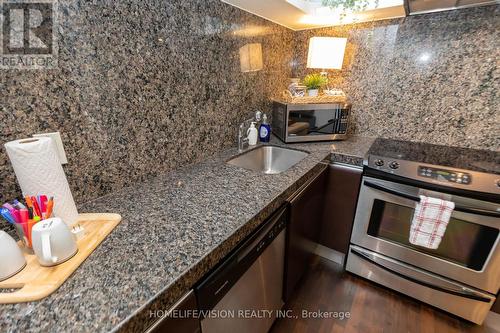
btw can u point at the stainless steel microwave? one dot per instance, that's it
(310, 122)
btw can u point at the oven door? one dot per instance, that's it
(468, 251)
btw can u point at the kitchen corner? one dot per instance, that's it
(248, 166)
(175, 228)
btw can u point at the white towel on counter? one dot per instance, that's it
(430, 221)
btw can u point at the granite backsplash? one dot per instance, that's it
(142, 87)
(432, 78)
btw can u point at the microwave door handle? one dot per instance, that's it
(458, 208)
(458, 292)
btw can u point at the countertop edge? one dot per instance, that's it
(141, 319)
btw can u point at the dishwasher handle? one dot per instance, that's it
(216, 284)
(260, 242)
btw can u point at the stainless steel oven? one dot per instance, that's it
(310, 122)
(461, 276)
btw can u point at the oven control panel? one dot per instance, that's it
(445, 175)
(436, 174)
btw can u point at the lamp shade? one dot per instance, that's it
(251, 57)
(326, 52)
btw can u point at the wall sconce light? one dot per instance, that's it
(251, 57)
(326, 52)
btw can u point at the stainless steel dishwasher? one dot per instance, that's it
(247, 284)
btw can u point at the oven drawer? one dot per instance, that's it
(463, 301)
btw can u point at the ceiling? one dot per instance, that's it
(304, 14)
(308, 14)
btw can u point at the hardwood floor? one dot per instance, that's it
(372, 308)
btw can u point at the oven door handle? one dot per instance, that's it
(458, 292)
(458, 208)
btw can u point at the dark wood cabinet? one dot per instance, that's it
(341, 196)
(184, 323)
(496, 306)
(305, 213)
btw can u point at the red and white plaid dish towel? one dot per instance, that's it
(430, 221)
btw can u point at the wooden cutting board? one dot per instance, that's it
(35, 282)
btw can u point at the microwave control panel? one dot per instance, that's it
(445, 175)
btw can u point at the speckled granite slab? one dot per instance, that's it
(470, 159)
(141, 88)
(428, 78)
(351, 151)
(175, 228)
(145, 87)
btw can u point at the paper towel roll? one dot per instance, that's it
(39, 171)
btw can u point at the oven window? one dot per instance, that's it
(465, 243)
(317, 122)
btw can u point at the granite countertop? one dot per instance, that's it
(175, 228)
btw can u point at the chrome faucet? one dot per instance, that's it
(242, 130)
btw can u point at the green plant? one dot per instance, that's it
(315, 81)
(348, 5)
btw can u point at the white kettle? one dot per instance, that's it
(53, 242)
(11, 257)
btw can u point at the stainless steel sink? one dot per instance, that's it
(268, 159)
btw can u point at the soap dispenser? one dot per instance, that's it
(252, 135)
(264, 130)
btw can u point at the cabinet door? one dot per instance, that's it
(496, 305)
(305, 213)
(341, 197)
(185, 324)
